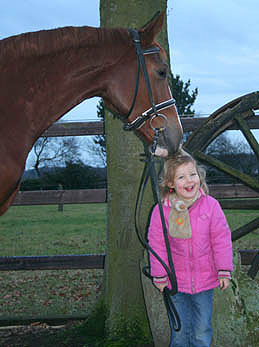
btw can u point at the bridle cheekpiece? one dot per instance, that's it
(152, 112)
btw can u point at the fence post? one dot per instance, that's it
(60, 205)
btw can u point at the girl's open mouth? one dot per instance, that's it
(189, 189)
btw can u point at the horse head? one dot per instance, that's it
(146, 104)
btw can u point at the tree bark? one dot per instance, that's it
(124, 299)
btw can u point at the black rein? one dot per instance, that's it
(150, 172)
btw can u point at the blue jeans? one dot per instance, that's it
(195, 312)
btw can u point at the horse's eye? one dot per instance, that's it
(162, 73)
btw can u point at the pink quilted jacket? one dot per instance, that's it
(198, 259)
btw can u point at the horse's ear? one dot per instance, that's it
(152, 28)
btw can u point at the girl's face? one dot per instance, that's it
(186, 181)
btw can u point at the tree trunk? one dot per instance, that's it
(124, 299)
(123, 295)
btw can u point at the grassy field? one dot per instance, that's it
(43, 230)
(79, 229)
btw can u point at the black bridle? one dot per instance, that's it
(152, 112)
(150, 172)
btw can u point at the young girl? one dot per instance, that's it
(200, 242)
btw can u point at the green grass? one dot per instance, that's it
(43, 230)
(238, 218)
(79, 229)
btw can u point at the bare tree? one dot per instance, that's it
(236, 153)
(52, 151)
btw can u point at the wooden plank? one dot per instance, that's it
(97, 128)
(53, 197)
(222, 120)
(81, 261)
(57, 262)
(247, 204)
(252, 272)
(247, 256)
(75, 129)
(224, 191)
(245, 229)
(246, 179)
(248, 134)
(81, 196)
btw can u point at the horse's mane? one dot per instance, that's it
(46, 42)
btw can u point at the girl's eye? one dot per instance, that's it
(180, 177)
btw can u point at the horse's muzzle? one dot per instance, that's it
(169, 141)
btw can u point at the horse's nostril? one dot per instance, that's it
(170, 139)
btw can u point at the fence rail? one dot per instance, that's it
(224, 192)
(97, 128)
(55, 262)
(81, 261)
(54, 197)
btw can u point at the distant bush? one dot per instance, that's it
(72, 176)
(31, 184)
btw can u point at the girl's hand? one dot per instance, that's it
(224, 283)
(161, 286)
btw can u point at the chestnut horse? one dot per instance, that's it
(45, 74)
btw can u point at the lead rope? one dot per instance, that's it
(150, 172)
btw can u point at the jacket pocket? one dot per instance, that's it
(206, 271)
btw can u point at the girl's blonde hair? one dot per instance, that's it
(170, 167)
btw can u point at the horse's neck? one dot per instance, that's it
(58, 76)
(75, 73)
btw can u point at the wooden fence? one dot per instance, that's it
(227, 194)
(97, 128)
(224, 193)
(81, 261)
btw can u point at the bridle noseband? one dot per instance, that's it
(152, 112)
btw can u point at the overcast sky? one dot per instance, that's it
(215, 44)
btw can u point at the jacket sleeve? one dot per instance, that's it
(221, 239)
(157, 243)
